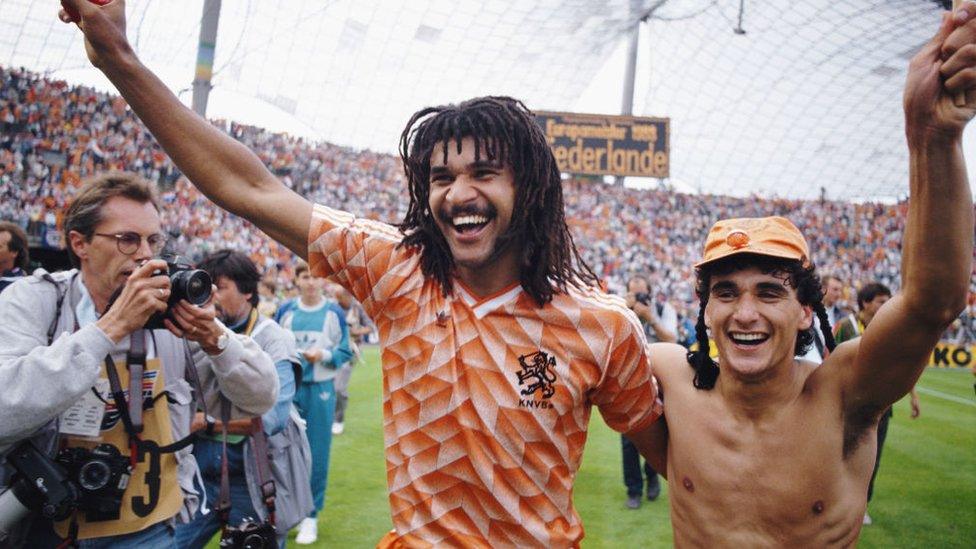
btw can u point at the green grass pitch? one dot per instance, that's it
(925, 494)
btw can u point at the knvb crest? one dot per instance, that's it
(538, 375)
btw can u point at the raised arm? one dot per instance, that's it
(222, 168)
(938, 241)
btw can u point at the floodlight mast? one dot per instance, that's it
(205, 56)
(630, 68)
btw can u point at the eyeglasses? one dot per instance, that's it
(129, 242)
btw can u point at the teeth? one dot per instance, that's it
(748, 337)
(470, 220)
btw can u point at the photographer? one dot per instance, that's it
(284, 442)
(68, 352)
(660, 322)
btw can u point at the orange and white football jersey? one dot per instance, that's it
(486, 400)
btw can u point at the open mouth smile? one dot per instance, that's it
(748, 339)
(467, 227)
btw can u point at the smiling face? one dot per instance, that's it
(472, 204)
(754, 319)
(104, 267)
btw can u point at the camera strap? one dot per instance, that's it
(130, 411)
(135, 360)
(265, 480)
(259, 441)
(223, 500)
(193, 377)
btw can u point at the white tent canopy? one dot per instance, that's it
(799, 98)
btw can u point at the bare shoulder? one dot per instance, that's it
(836, 368)
(669, 363)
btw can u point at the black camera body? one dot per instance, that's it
(250, 535)
(101, 476)
(185, 282)
(40, 483)
(644, 298)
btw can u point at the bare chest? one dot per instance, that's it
(780, 480)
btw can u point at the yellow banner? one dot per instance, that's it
(950, 355)
(945, 355)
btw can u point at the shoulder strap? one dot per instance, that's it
(62, 289)
(265, 479)
(223, 499)
(193, 377)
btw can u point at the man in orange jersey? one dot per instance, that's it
(495, 344)
(763, 449)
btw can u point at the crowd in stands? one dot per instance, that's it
(53, 134)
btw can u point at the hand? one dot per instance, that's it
(196, 323)
(643, 312)
(943, 68)
(142, 296)
(916, 409)
(103, 26)
(312, 354)
(199, 422)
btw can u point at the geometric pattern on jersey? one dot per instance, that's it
(486, 401)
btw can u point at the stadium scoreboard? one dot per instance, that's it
(596, 144)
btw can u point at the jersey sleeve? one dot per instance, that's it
(361, 255)
(627, 396)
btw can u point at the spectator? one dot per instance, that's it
(14, 255)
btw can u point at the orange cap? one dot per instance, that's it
(772, 236)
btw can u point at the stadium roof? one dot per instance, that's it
(779, 98)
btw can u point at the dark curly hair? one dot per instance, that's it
(235, 266)
(504, 130)
(808, 291)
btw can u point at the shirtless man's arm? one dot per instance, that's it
(226, 171)
(884, 364)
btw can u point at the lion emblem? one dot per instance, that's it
(538, 372)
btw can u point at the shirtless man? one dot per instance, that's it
(762, 449)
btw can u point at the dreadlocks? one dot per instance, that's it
(503, 131)
(808, 291)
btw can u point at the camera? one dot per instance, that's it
(101, 475)
(643, 297)
(185, 282)
(250, 535)
(39, 484)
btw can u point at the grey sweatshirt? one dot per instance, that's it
(40, 381)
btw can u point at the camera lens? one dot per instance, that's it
(192, 285)
(255, 541)
(94, 475)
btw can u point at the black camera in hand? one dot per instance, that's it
(643, 297)
(101, 475)
(250, 535)
(185, 283)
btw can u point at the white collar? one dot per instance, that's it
(85, 309)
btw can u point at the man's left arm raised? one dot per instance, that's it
(938, 241)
